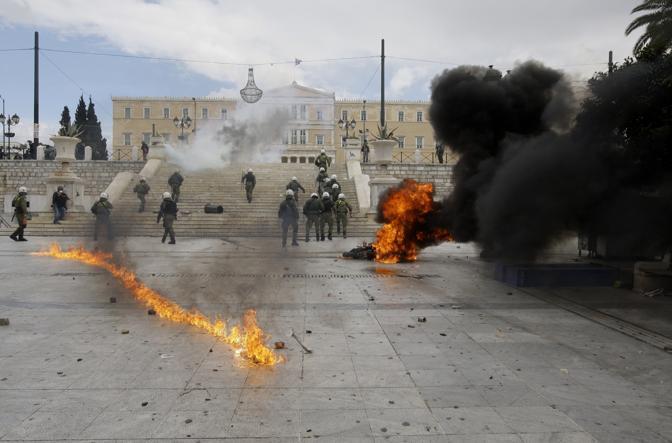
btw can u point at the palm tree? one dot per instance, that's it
(658, 23)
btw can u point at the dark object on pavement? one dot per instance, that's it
(4, 322)
(279, 345)
(213, 209)
(422, 319)
(364, 252)
(113, 299)
(125, 331)
(151, 312)
(293, 335)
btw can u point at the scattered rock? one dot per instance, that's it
(210, 350)
(411, 326)
(442, 334)
(187, 421)
(455, 307)
(308, 331)
(405, 423)
(4, 322)
(113, 299)
(125, 331)
(383, 429)
(279, 345)
(151, 312)
(79, 359)
(422, 319)
(144, 403)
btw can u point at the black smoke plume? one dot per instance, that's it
(532, 171)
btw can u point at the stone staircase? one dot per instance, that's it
(219, 187)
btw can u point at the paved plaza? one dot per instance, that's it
(432, 351)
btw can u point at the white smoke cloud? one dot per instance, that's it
(254, 135)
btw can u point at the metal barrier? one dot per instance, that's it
(423, 157)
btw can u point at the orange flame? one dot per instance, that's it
(247, 341)
(405, 210)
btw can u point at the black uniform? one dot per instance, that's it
(175, 181)
(289, 214)
(250, 182)
(327, 217)
(294, 185)
(440, 149)
(168, 211)
(365, 152)
(59, 201)
(312, 209)
(102, 209)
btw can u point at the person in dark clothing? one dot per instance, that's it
(20, 204)
(312, 209)
(145, 150)
(289, 214)
(294, 185)
(102, 209)
(319, 180)
(440, 149)
(343, 212)
(365, 152)
(323, 160)
(327, 217)
(250, 181)
(167, 211)
(59, 201)
(175, 181)
(141, 190)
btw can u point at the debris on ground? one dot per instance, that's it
(364, 252)
(4, 322)
(144, 403)
(455, 307)
(125, 331)
(422, 319)
(293, 335)
(151, 312)
(279, 345)
(655, 292)
(113, 299)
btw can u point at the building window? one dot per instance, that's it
(419, 116)
(400, 116)
(319, 140)
(224, 114)
(344, 115)
(320, 117)
(294, 136)
(419, 141)
(204, 113)
(401, 140)
(127, 113)
(304, 111)
(302, 137)
(283, 159)
(145, 113)
(166, 137)
(302, 159)
(295, 112)
(362, 116)
(185, 112)
(127, 139)
(166, 112)
(145, 137)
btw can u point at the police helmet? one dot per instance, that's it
(323, 151)
(322, 169)
(167, 195)
(314, 195)
(104, 195)
(289, 193)
(333, 176)
(334, 186)
(325, 194)
(341, 195)
(23, 190)
(294, 179)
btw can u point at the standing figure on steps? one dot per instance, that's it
(59, 202)
(102, 209)
(250, 181)
(343, 211)
(289, 214)
(294, 185)
(168, 211)
(313, 209)
(323, 160)
(175, 181)
(335, 191)
(320, 179)
(141, 190)
(20, 204)
(327, 217)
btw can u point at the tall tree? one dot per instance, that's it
(94, 135)
(65, 120)
(657, 21)
(80, 121)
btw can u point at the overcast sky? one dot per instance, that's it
(573, 35)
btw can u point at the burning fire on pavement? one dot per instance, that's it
(248, 340)
(405, 211)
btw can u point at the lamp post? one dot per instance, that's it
(184, 122)
(9, 121)
(364, 132)
(3, 123)
(347, 125)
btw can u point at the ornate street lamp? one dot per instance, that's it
(184, 122)
(9, 121)
(251, 93)
(347, 125)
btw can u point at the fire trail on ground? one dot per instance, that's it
(247, 340)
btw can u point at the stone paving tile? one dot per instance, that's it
(51, 425)
(334, 423)
(265, 423)
(330, 399)
(413, 422)
(536, 419)
(392, 398)
(471, 420)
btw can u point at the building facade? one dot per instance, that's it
(313, 122)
